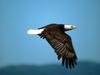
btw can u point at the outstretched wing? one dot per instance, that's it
(63, 47)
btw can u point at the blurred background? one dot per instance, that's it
(18, 48)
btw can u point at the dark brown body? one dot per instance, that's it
(61, 42)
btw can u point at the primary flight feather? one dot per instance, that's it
(59, 41)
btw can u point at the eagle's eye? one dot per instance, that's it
(72, 27)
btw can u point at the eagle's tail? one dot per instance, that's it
(32, 31)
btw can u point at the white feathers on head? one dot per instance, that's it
(70, 27)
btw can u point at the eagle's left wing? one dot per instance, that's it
(63, 47)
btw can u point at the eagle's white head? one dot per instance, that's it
(69, 27)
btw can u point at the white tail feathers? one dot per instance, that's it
(32, 31)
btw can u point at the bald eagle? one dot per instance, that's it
(59, 41)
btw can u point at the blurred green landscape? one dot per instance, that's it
(83, 68)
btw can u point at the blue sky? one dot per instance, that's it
(17, 16)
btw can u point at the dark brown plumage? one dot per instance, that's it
(61, 42)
